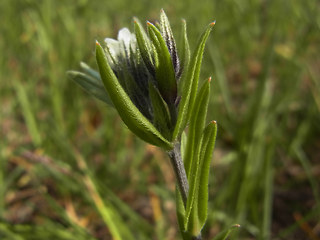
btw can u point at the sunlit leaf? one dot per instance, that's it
(185, 51)
(129, 113)
(145, 47)
(208, 142)
(190, 84)
(165, 74)
(167, 35)
(192, 155)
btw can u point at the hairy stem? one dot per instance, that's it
(178, 167)
(181, 176)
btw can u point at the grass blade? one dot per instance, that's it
(28, 113)
(224, 234)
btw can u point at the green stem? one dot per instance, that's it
(181, 176)
(180, 172)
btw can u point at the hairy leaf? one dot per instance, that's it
(192, 154)
(208, 142)
(92, 85)
(185, 51)
(129, 113)
(190, 84)
(145, 47)
(165, 74)
(161, 115)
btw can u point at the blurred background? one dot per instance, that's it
(70, 169)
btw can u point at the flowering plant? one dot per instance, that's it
(154, 88)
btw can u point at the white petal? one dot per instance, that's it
(110, 41)
(124, 35)
(113, 46)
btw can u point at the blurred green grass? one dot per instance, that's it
(69, 169)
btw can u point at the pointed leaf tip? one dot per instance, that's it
(97, 43)
(209, 79)
(190, 84)
(213, 23)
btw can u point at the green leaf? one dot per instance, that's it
(192, 155)
(161, 115)
(167, 34)
(197, 68)
(135, 93)
(145, 47)
(185, 51)
(91, 72)
(166, 31)
(225, 233)
(190, 84)
(197, 124)
(129, 113)
(208, 142)
(165, 74)
(183, 144)
(180, 210)
(92, 85)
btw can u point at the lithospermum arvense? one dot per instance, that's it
(142, 75)
(154, 88)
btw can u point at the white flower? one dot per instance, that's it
(122, 47)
